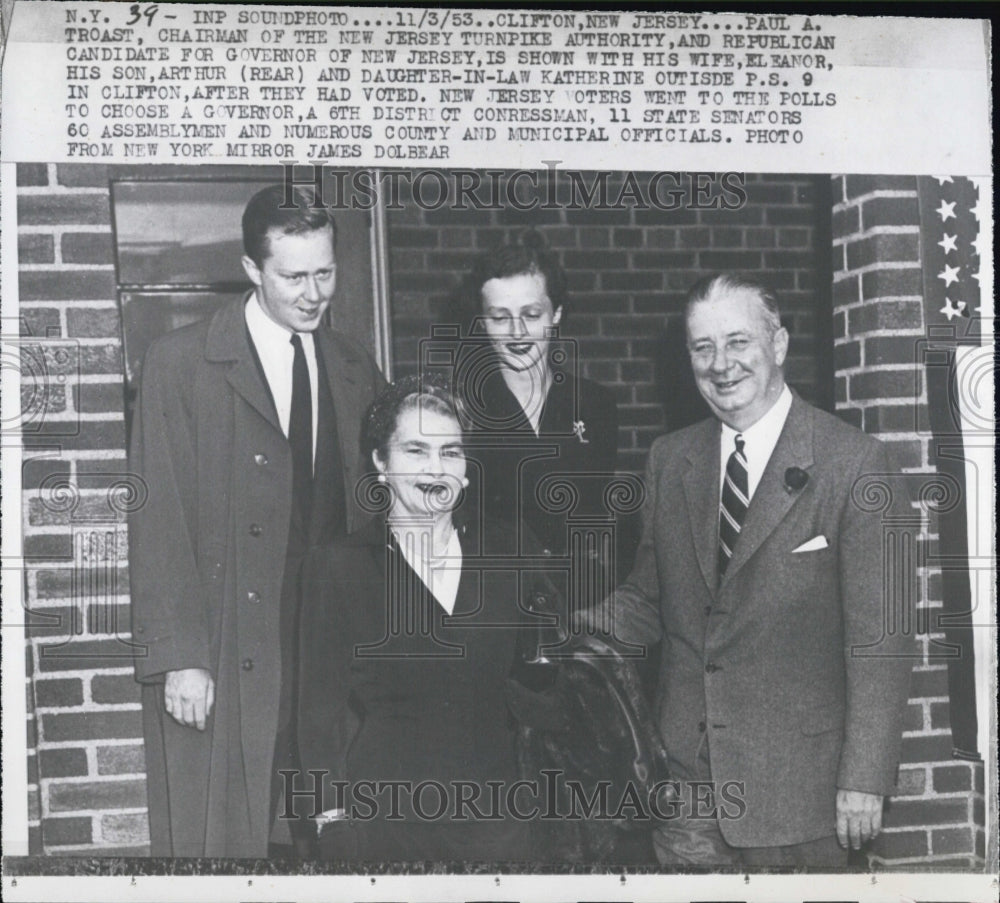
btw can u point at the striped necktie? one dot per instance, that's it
(735, 501)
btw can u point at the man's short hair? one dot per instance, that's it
(720, 283)
(267, 210)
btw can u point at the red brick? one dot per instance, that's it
(66, 831)
(891, 282)
(793, 238)
(892, 211)
(913, 718)
(847, 355)
(895, 350)
(952, 840)
(846, 221)
(403, 237)
(97, 795)
(63, 209)
(900, 844)
(642, 281)
(47, 547)
(67, 285)
(911, 782)
(897, 418)
(627, 238)
(885, 384)
(40, 322)
(114, 688)
(82, 175)
(87, 434)
(663, 259)
(125, 725)
(67, 692)
(929, 683)
(858, 185)
(98, 398)
(62, 763)
(749, 214)
(885, 315)
(686, 238)
(906, 812)
(792, 216)
(883, 248)
(32, 174)
(846, 291)
(853, 416)
(82, 653)
(933, 748)
(762, 237)
(35, 248)
(126, 759)
(951, 778)
(87, 247)
(940, 716)
(907, 453)
(126, 828)
(727, 261)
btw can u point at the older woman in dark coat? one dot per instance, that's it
(409, 634)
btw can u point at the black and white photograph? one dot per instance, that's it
(389, 518)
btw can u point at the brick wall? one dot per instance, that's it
(879, 328)
(628, 271)
(86, 768)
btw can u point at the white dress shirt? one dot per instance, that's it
(440, 576)
(274, 348)
(760, 440)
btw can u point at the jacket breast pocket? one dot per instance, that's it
(821, 720)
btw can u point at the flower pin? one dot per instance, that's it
(795, 479)
(579, 427)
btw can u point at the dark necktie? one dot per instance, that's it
(300, 430)
(735, 501)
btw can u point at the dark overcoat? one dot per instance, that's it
(796, 664)
(207, 554)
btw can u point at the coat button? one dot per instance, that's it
(701, 727)
(708, 610)
(247, 664)
(711, 668)
(253, 597)
(547, 553)
(260, 460)
(256, 529)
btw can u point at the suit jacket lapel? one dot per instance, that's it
(342, 375)
(228, 340)
(772, 501)
(701, 492)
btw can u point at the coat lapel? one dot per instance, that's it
(772, 501)
(228, 341)
(701, 492)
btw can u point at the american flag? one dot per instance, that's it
(952, 211)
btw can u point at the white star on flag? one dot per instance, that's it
(942, 179)
(950, 310)
(976, 276)
(979, 245)
(946, 210)
(979, 211)
(948, 243)
(949, 275)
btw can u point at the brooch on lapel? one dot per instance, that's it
(795, 479)
(579, 427)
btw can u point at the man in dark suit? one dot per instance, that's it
(247, 436)
(762, 576)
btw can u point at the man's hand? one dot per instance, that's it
(189, 695)
(859, 817)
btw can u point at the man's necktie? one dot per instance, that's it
(735, 501)
(300, 430)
